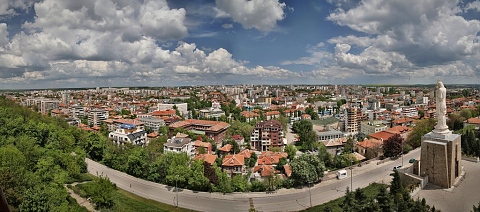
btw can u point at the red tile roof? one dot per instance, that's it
(370, 143)
(207, 158)
(265, 170)
(233, 160)
(246, 153)
(288, 170)
(382, 135)
(226, 148)
(473, 121)
(212, 125)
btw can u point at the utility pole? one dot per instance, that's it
(176, 189)
(351, 172)
(402, 152)
(308, 179)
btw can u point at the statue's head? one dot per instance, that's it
(439, 84)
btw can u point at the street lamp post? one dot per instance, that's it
(308, 185)
(176, 190)
(402, 152)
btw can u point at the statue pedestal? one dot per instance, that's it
(440, 157)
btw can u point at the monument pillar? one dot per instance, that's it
(441, 155)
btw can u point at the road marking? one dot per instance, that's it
(252, 207)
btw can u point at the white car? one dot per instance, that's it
(397, 167)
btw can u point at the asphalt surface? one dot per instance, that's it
(282, 200)
(460, 198)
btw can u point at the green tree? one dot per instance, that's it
(396, 186)
(239, 183)
(95, 146)
(349, 204)
(393, 146)
(101, 192)
(253, 159)
(291, 150)
(136, 162)
(197, 180)
(384, 200)
(349, 146)
(421, 128)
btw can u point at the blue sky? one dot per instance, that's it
(90, 43)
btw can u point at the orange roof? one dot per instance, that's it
(270, 158)
(212, 125)
(248, 114)
(168, 112)
(385, 135)
(288, 170)
(233, 160)
(265, 170)
(246, 153)
(210, 159)
(473, 121)
(272, 113)
(152, 135)
(128, 121)
(201, 143)
(370, 143)
(398, 129)
(226, 148)
(402, 120)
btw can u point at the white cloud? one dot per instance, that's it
(8, 7)
(3, 35)
(427, 34)
(475, 5)
(259, 14)
(227, 26)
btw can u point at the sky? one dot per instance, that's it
(116, 43)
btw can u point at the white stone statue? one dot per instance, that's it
(441, 109)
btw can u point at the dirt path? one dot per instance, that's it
(80, 200)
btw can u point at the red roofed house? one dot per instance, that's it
(210, 159)
(264, 171)
(272, 114)
(239, 139)
(212, 129)
(370, 148)
(233, 165)
(472, 121)
(225, 149)
(206, 145)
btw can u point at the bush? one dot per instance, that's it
(257, 186)
(288, 183)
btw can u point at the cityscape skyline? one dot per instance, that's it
(71, 44)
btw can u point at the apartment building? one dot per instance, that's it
(409, 112)
(267, 134)
(48, 105)
(369, 127)
(212, 129)
(96, 116)
(77, 111)
(152, 123)
(129, 134)
(351, 123)
(181, 107)
(179, 145)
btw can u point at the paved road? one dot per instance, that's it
(282, 200)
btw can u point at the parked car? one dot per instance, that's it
(412, 160)
(397, 167)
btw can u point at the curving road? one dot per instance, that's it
(282, 200)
